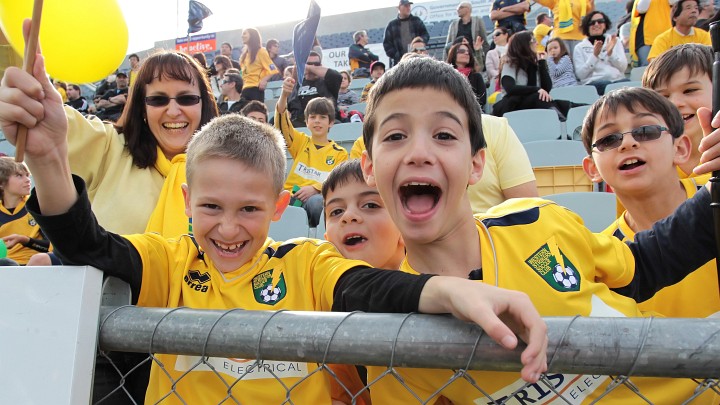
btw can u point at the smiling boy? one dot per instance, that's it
(424, 147)
(683, 75)
(313, 156)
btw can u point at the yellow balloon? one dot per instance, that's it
(82, 40)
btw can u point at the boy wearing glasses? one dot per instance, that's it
(635, 140)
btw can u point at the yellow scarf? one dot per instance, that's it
(565, 21)
(168, 218)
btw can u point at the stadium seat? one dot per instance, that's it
(558, 166)
(620, 85)
(292, 224)
(555, 153)
(637, 72)
(270, 104)
(276, 84)
(597, 210)
(534, 124)
(357, 107)
(575, 118)
(345, 134)
(581, 94)
(319, 232)
(269, 94)
(6, 149)
(359, 84)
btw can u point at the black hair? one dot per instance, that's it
(632, 99)
(418, 73)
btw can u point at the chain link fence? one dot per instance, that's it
(263, 357)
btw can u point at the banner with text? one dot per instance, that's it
(444, 10)
(337, 58)
(198, 43)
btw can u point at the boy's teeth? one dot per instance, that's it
(414, 183)
(630, 161)
(228, 247)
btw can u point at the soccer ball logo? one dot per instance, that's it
(270, 293)
(565, 278)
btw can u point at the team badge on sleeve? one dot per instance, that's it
(330, 160)
(267, 292)
(550, 264)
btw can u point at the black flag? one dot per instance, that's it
(196, 14)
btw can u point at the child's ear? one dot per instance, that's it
(331, 121)
(186, 197)
(282, 203)
(591, 169)
(683, 149)
(367, 169)
(478, 164)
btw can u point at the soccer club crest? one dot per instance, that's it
(555, 269)
(330, 160)
(31, 221)
(265, 291)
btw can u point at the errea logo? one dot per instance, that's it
(195, 280)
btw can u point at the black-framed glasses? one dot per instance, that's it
(185, 100)
(641, 134)
(596, 22)
(497, 34)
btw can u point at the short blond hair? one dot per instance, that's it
(239, 138)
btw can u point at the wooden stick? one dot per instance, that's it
(31, 47)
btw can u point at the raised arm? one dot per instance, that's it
(32, 101)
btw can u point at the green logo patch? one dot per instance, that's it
(558, 272)
(267, 293)
(330, 160)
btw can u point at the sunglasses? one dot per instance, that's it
(497, 34)
(462, 51)
(596, 22)
(642, 134)
(313, 63)
(185, 100)
(418, 50)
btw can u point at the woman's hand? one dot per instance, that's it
(544, 95)
(597, 48)
(611, 45)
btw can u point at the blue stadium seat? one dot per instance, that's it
(597, 210)
(292, 224)
(534, 124)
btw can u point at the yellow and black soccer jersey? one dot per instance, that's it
(20, 222)
(679, 300)
(542, 249)
(311, 164)
(301, 274)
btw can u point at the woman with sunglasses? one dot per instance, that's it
(257, 67)
(133, 170)
(462, 59)
(501, 37)
(125, 165)
(599, 59)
